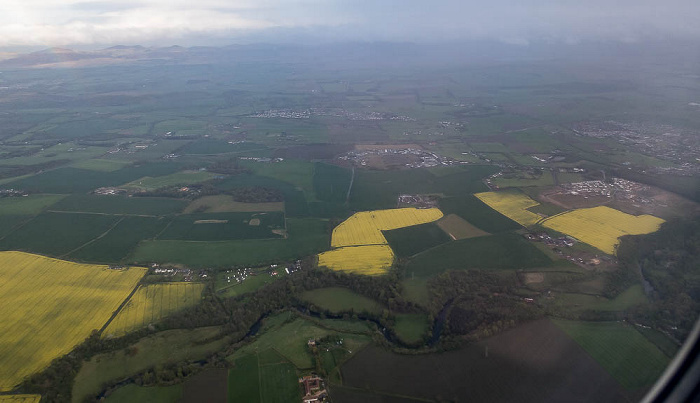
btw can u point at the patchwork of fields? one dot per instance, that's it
(513, 205)
(49, 306)
(151, 303)
(362, 248)
(602, 226)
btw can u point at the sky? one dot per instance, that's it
(45, 23)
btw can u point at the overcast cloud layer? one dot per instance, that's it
(190, 22)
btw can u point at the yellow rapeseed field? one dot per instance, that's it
(20, 398)
(368, 259)
(511, 204)
(362, 246)
(151, 303)
(365, 228)
(49, 306)
(602, 226)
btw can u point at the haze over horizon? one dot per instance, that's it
(80, 23)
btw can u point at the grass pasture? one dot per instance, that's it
(507, 251)
(412, 240)
(339, 300)
(512, 204)
(624, 352)
(458, 228)
(224, 226)
(602, 226)
(151, 303)
(411, 328)
(57, 234)
(50, 306)
(226, 204)
(305, 237)
(295, 202)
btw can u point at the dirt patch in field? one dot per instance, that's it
(254, 222)
(535, 362)
(211, 222)
(533, 278)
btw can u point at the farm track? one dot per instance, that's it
(94, 239)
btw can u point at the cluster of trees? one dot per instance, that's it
(228, 167)
(669, 260)
(480, 303)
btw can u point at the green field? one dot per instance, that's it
(409, 241)
(149, 183)
(227, 289)
(154, 394)
(278, 381)
(121, 240)
(85, 203)
(305, 237)
(224, 226)
(339, 300)
(56, 234)
(373, 190)
(411, 328)
(28, 205)
(477, 213)
(629, 357)
(416, 290)
(169, 346)
(244, 380)
(100, 165)
(9, 223)
(295, 172)
(331, 182)
(502, 251)
(631, 297)
(218, 147)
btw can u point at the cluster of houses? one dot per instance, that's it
(314, 389)
(548, 240)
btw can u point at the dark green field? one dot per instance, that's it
(244, 380)
(120, 205)
(379, 189)
(56, 234)
(477, 213)
(9, 222)
(121, 240)
(74, 180)
(154, 394)
(223, 226)
(279, 383)
(502, 251)
(331, 183)
(628, 356)
(306, 237)
(409, 241)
